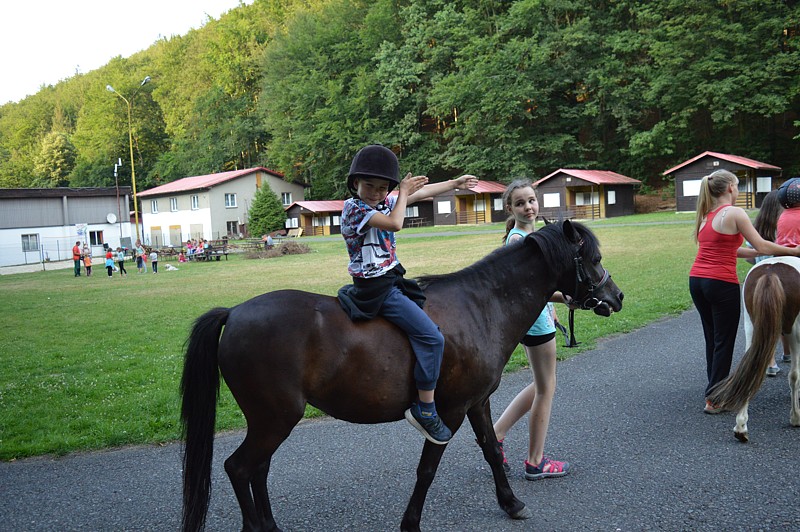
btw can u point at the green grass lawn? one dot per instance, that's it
(90, 363)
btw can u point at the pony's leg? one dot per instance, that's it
(426, 471)
(740, 430)
(794, 387)
(480, 417)
(247, 469)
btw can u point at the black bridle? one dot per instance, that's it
(587, 302)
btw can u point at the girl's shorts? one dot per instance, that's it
(532, 341)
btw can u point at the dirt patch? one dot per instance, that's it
(654, 203)
(286, 248)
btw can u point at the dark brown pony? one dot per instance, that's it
(284, 349)
(771, 294)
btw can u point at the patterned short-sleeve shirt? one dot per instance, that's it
(372, 251)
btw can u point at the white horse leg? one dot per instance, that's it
(794, 387)
(740, 430)
(794, 374)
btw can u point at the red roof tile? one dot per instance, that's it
(320, 205)
(203, 181)
(598, 177)
(744, 161)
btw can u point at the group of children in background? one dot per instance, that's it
(115, 261)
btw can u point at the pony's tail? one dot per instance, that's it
(738, 388)
(199, 393)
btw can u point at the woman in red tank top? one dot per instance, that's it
(720, 229)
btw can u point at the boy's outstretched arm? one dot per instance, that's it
(434, 189)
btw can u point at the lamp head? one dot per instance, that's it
(109, 88)
(145, 80)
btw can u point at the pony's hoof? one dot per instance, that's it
(743, 437)
(521, 514)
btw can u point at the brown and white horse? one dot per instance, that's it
(771, 295)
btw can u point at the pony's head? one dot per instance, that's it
(586, 281)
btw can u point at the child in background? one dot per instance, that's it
(154, 261)
(181, 257)
(87, 263)
(121, 262)
(369, 222)
(110, 263)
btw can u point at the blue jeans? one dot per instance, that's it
(426, 339)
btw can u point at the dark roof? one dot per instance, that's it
(62, 191)
(598, 177)
(743, 161)
(205, 181)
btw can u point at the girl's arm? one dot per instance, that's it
(763, 247)
(434, 189)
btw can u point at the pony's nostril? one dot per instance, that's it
(621, 296)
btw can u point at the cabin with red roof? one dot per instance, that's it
(210, 207)
(756, 179)
(585, 194)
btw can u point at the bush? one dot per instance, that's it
(289, 247)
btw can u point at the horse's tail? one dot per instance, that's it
(200, 392)
(769, 300)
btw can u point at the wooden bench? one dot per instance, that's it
(210, 254)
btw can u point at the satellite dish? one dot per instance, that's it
(111, 217)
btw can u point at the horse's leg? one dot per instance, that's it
(248, 467)
(740, 430)
(426, 471)
(794, 387)
(480, 418)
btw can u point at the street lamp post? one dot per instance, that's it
(130, 144)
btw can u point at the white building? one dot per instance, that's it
(39, 224)
(208, 206)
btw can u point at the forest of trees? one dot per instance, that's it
(497, 88)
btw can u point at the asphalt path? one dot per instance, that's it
(627, 415)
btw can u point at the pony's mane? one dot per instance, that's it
(550, 240)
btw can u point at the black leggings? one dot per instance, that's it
(122, 269)
(719, 304)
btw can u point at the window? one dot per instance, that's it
(443, 207)
(612, 197)
(763, 184)
(291, 223)
(587, 198)
(412, 212)
(232, 227)
(336, 220)
(551, 199)
(497, 204)
(230, 200)
(173, 204)
(195, 202)
(691, 187)
(480, 206)
(154, 206)
(286, 198)
(96, 238)
(30, 242)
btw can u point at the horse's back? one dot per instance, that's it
(291, 345)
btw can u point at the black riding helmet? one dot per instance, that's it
(789, 193)
(374, 161)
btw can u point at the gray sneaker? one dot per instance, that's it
(786, 358)
(773, 370)
(430, 426)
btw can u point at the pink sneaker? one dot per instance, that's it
(546, 468)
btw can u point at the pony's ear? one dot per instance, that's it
(570, 232)
(546, 221)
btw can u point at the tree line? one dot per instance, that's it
(500, 89)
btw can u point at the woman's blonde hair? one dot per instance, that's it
(514, 185)
(712, 186)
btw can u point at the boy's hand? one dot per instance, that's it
(466, 181)
(411, 184)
